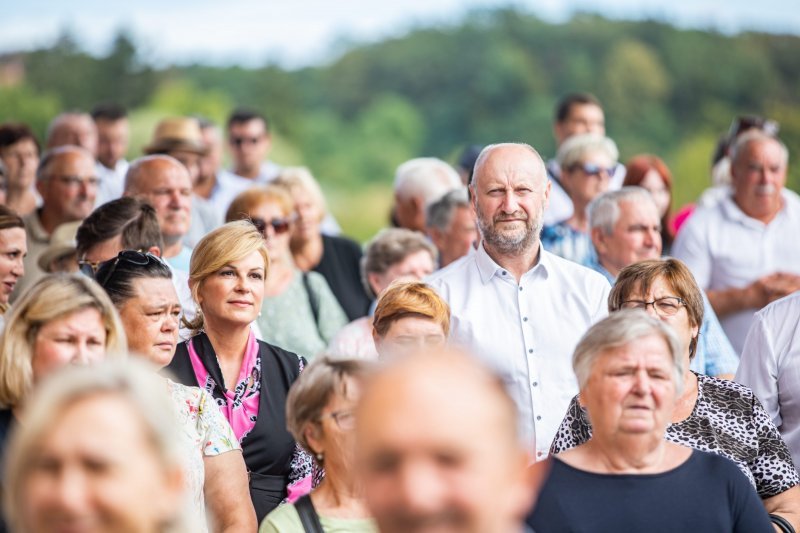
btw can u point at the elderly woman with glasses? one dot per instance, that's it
(710, 414)
(320, 413)
(299, 313)
(588, 163)
(627, 477)
(140, 285)
(248, 378)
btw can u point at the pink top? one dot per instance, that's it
(241, 403)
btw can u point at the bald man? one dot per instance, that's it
(515, 305)
(164, 182)
(439, 448)
(75, 129)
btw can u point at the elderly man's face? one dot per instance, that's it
(436, 458)
(636, 237)
(509, 197)
(631, 389)
(759, 175)
(70, 187)
(455, 242)
(76, 130)
(167, 186)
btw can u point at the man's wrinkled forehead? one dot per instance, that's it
(510, 162)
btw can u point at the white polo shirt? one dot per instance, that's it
(527, 331)
(770, 365)
(725, 248)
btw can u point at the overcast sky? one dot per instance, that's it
(299, 32)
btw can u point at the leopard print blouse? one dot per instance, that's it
(728, 420)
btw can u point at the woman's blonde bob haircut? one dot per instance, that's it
(300, 180)
(227, 244)
(137, 383)
(51, 298)
(403, 299)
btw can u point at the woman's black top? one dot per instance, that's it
(269, 449)
(706, 493)
(340, 266)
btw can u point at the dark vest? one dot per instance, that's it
(268, 448)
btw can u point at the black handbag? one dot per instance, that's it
(308, 515)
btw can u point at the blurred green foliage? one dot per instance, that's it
(494, 75)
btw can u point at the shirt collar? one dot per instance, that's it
(487, 268)
(34, 228)
(594, 264)
(734, 213)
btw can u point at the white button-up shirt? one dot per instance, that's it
(725, 248)
(770, 365)
(527, 331)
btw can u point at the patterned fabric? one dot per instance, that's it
(206, 433)
(240, 405)
(727, 420)
(567, 242)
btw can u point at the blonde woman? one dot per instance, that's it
(100, 447)
(248, 378)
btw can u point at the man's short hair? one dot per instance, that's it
(604, 210)
(108, 111)
(135, 220)
(752, 136)
(440, 213)
(426, 177)
(243, 114)
(13, 132)
(43, 170)
(564, 107)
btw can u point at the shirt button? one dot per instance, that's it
(530, 350)
(539, 417)
(535, 383)
(539, 454)
(504, 272)
(524, 319)
(520, 288)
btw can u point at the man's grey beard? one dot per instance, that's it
(511, 244)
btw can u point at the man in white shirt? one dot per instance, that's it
(770, 365)
(744, 251)
(113, 134)
(518, 307)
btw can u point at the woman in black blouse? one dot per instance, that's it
(336, 258)
(711, 414)
(248, 378)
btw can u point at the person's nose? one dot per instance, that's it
(420, 489)
(170, 323)
(510, 203)
(642, 382)
(69, 494)
(18, 270)
(650, 309)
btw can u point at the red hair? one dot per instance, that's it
(635, 171)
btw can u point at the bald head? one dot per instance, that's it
(518, 158)
(77, 129)
(164, 182)
(437, 441)
(66, 181)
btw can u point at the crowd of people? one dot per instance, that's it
(532, 345)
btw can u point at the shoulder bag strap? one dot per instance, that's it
(313, 298)
(308, 515)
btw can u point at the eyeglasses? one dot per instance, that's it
(664, 307)
(238, 141)
(279, 225)
(346, 420)
(88, 268)
(595, 170)
(131, 257)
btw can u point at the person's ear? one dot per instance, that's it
(155, 250)
(374, 282)
(599, 240)
(313, 437)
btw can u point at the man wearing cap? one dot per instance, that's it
(180, 137)
(113, 133)
(67, 183)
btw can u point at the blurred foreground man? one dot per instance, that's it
(439, 450)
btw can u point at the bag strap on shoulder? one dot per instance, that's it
(308, 515)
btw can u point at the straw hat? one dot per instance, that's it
(177, 133)
(62, 244)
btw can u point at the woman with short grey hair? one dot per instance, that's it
(320, 414)
(588, 162)
(627, 477)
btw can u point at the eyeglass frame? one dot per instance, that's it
(261, 224)
(645, 304)
(336, 415)
(591, 169)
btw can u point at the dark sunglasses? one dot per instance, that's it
(238, 141)
(750, 122)
(594, 170)
(279, 225)
(106, 269)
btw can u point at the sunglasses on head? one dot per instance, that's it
(238, 141)
(105, 270)
(750, 122)
(595, 170)
(279, 225)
